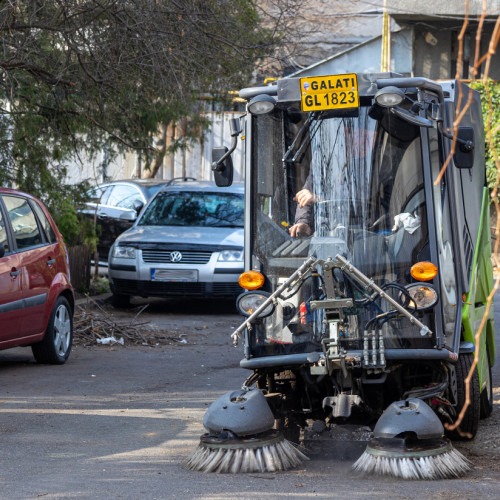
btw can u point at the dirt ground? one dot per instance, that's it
(117, 421)
(484, 450)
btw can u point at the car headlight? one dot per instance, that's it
(423, 295)
(248, 302)
(123, 252)
(231, 256)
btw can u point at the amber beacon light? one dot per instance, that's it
(251, 280)
(424, 271)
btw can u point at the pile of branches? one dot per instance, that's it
(93, 325)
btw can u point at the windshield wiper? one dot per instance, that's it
(305, 137)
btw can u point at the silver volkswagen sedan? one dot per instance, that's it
(187, 242)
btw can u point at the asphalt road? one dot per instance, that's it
(117, 422)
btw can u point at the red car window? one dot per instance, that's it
(23, 220)
(47, 228)
(4, 242)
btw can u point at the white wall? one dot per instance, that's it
(366, 58)
(197, 158)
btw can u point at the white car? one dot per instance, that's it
(187, 242)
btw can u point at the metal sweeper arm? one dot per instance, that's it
(305, 268)
(361, 278)
(349, 269)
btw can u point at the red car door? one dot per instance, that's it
(37, 263)
(40, 270)
(54, 261)
(11, 293)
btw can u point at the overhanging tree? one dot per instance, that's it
(76, 74)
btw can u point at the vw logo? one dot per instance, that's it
(175, 256)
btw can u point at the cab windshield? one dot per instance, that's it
(349, 185)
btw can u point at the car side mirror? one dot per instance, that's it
(138, 205)
(2, 251)
(464, 148)
(128, 216)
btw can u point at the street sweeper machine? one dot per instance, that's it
(368, 271)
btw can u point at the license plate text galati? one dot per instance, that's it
(329, 92)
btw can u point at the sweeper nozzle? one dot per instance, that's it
(408, 443)
(241, 439)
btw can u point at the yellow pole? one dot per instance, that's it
(386, 42)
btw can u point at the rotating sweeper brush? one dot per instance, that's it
(408, 443)
(240, 437)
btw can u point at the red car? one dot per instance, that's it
(36, 296)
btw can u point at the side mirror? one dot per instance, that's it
(128, 216)
(464, 148)
(138, 205)
(222, 165)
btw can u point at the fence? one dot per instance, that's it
(79, 266)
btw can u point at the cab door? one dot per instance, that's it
(11, 293)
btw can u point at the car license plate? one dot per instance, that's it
(329, 92)
(183, 275)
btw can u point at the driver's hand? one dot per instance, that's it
(300, 230)
(304, 197)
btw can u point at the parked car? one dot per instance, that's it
(36, 297)
(187, 242)
(108, 202)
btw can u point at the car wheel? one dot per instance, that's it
(55, 347)
(468, 426)
(118, 300)
(487, 393)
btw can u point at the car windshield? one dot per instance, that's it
(194, 208)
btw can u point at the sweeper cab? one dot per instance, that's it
(367, 249)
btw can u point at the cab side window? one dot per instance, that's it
(24, 225)
(47, 228)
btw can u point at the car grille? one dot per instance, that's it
(148, 288)
(163, 257)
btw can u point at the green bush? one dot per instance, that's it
(491, 115)
(64, 207)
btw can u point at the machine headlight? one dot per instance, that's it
(389, 97)
(123, 252)
(423, 295)
(249, 302)
(261, 104)
(231, 256)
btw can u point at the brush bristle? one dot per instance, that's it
(282, 455)
(447, 465)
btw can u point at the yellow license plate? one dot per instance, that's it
(329, 92)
